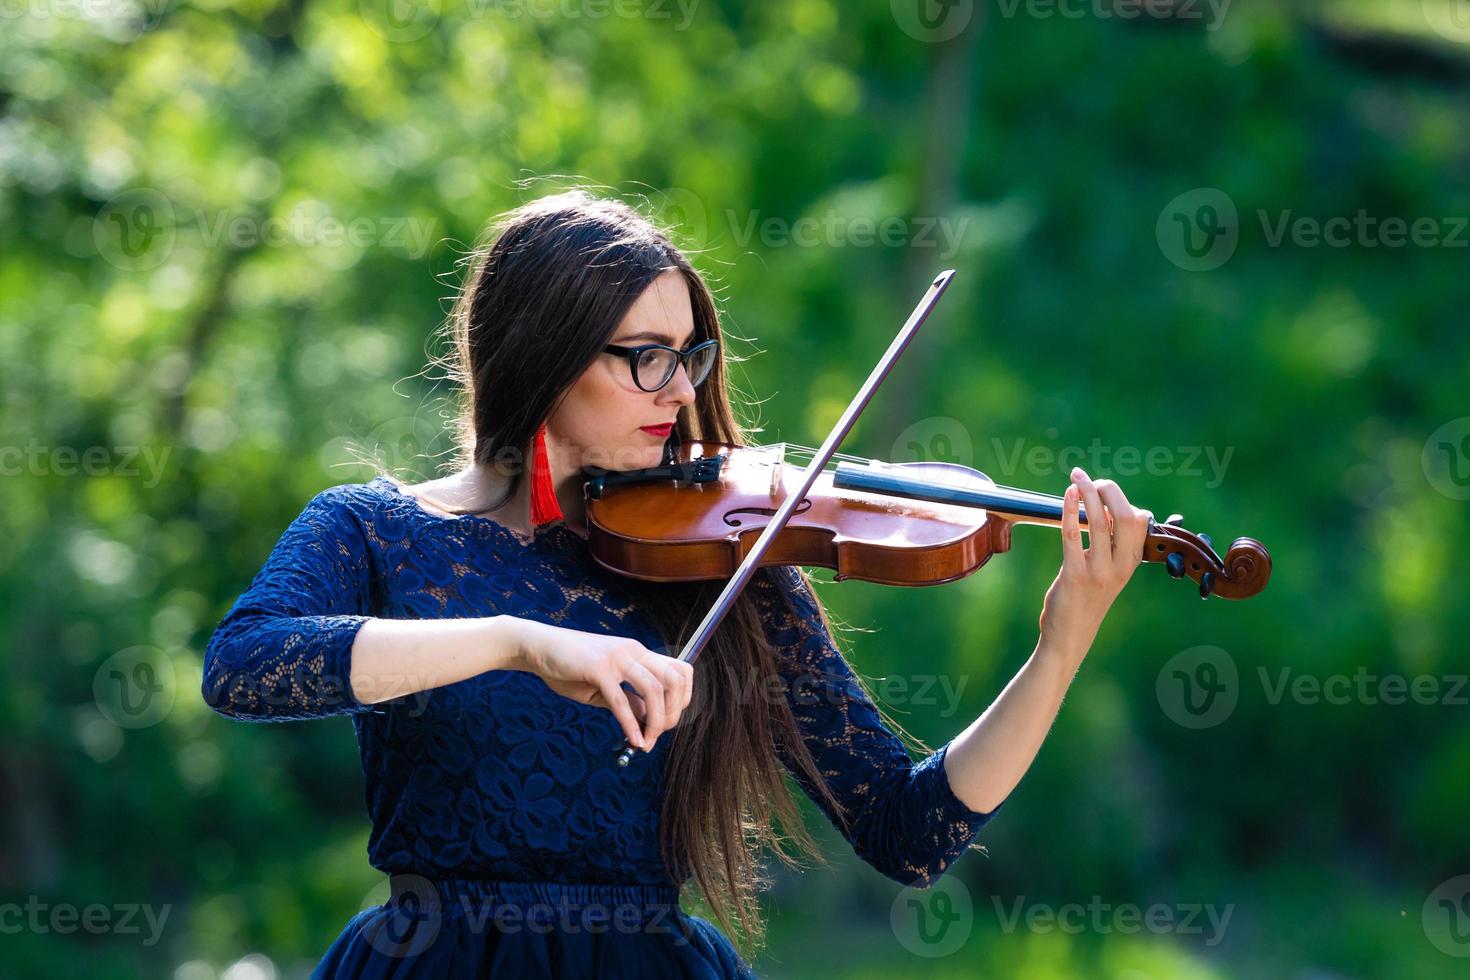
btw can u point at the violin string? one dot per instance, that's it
(1017, 492)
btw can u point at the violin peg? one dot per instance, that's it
(1175, 520)
(1175, 564)
(1208, 543)
(1206, 584)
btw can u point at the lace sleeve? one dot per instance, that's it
(902, 817)
(284, 650)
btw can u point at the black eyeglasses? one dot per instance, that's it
(653, 365)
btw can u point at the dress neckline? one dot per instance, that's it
(550, 529)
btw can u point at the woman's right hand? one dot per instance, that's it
(592, 669)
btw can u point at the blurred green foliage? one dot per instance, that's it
(230, 228)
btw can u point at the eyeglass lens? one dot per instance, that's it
(656, 367)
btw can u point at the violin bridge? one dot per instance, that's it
(776, 480)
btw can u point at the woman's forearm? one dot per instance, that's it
(396, 657)
(986, 761)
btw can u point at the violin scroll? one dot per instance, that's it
(1242, 573)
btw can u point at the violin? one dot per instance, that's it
(913, 524)
(713, 510)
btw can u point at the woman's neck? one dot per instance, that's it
(486, 484)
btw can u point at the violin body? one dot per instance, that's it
(665, 530)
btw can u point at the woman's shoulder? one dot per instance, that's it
(365, 506)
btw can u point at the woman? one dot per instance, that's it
(492, 668)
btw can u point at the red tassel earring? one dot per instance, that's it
(544, 505)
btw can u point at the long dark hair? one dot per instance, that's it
(545, 290)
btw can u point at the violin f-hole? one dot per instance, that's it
(732, 518)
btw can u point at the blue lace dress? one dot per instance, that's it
(515, 846)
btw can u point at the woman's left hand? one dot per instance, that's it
(1091, 578)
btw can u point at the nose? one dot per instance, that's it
(678, 390)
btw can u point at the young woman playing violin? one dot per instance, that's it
(491, 668)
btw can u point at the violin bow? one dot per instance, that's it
(728, 595)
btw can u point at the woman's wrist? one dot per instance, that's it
(503, 644)
(1070, 651)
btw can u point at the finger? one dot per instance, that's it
(653, 699)
(617, 702)
(1128, 523)
(686, 670)
(1099, 538)
(1071, 527)
(682, 675)
(673, 693)
(640, 707)
(673, 680)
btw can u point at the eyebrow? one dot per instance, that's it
(662, 338)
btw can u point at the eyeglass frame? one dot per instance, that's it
(633, 353)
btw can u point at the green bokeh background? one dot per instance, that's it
(171, 300)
